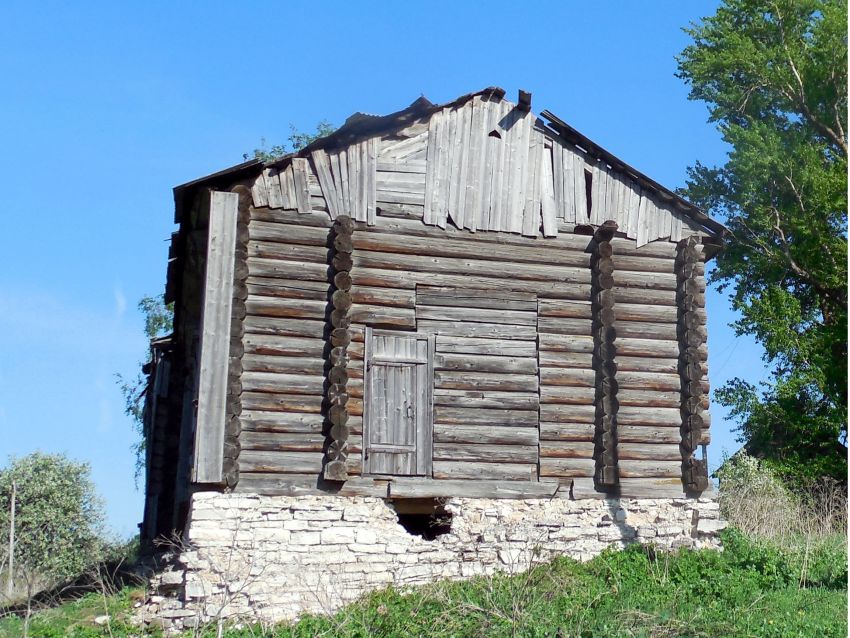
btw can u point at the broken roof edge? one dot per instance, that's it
(359, 126)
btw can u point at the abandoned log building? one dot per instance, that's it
(462, 301)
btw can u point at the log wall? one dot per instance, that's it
(514, 383)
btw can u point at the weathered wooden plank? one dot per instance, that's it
(568, 431)
(274, 190)
(563, 413)
(566, 449)
(287, 233)
(647, 348)
(640, 469)
(300, 174)
(323, 172)
(294, 308)
(383, 316)
(296, 422)
(293, 252)
(477, 315)
(284, 327)
(531, 210)
(584, 377)
(453, 415)
(455, 265)
(285, 269)
(483, 346)
(215, 338)
(654, 280)
(480, 330)
(271, 484)
(644, 296)
(632, 488)
(283, 364)
(470, 298)
(283, 462)
(418, 488)
(566, 394)
(565, 326)
(484, 435)
(485, 381)
(630, 415)
(282, 441)
(282, 383)
(645, 312)
(484, 471)
(259, 191)
(648, 452)
(484, 363)
(401, 298)
(567, 467)
(649, 398)
(649, 380)
(645, 329)
(489, 399)
(550, 359)
(647, 364)
(566, 343)
(565, 308)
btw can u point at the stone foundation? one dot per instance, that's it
(273, 558)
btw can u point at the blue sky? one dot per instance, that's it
(106, 107)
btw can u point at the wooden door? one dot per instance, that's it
(397, 405)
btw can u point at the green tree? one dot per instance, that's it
(59, 519)
(774, 76)
(296, 141)
(159, 319)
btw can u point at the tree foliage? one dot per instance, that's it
(296, 141)
(774, 76)
(58, 519)
(159, 318)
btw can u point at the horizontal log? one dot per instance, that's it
(584, 377)
(264, 344)
(289, 252)
(552, 359)
(276, 268)
(503, 280)
(366, 295)
(489, 399)
(478, 315)
(645, 330)
(643, 280)
(493, 299)
(559, 325)
(462, 248)
(567, 343)
(269, 484)
(565, 308)
(290, 233)
(646, 312)
(650, 398)
(648, 380)
(485, 381)
(483, 346)
(288, 308)
(647, 348)
(300, 423)
(264, 401)
(484, 435)
(484, 471)
(567, 431)
(648, 452)
(288, 288)
(283, 383)
(401, 487)
(632, 415)
(284, 327)
(485, 363)
(641, 469)
(453, 266)
(383, 316)
(631, 488)
(282, 364)
(562, 413)
(282, 441)
(566, 449)
(661, 365)
(283, 462)
(644, 296)
(452, 414)
(565, 394)
(479, 330)
(567, 468)
(640, 263)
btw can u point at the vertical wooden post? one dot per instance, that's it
(337, 396)
(10, 577)
(607, 474)
(691, 337)
(215, 339)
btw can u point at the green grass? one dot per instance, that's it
(750, 589)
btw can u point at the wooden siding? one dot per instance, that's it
(481, 165)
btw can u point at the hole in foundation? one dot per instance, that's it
(424, 517)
